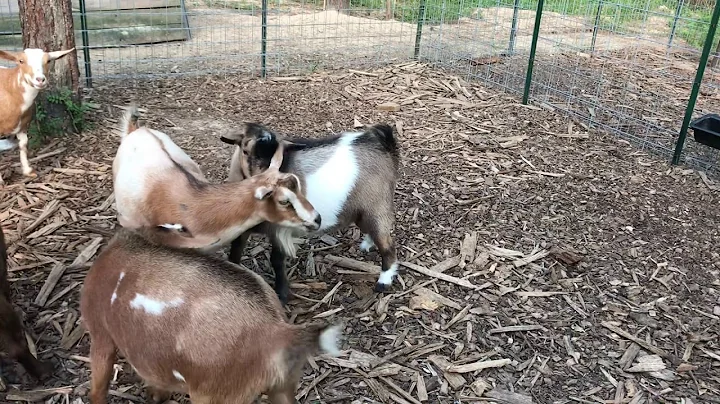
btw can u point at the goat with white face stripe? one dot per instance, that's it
(19, 86)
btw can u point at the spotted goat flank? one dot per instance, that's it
(184, 320)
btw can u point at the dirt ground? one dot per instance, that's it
(542, 262)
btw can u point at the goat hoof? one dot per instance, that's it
(283, 296)
(31, 173)
(380, 287)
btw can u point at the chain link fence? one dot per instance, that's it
(624, 66)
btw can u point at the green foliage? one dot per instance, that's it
(44, 126)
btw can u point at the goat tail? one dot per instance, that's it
(129, 120)
(384, 133)
(320, 337)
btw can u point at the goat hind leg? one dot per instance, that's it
(379, 228)
(102, 359)
(23, 143)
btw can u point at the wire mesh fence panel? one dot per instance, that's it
(623, 66)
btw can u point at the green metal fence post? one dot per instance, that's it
(696, 84)
(263, 39)
(533, 48)
(418, 34)
(678, 10)
(596, 27)
(85, 43)
(514, 27)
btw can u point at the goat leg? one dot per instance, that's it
(38, 369)
(102, 358)
(23, 143)
(156, 395)
(277, 260)
(237, 247)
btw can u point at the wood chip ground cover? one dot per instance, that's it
(541, 262)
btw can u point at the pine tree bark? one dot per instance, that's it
(48, 25)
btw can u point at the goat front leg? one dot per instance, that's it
(237, 247)
(102, 358)
(23, 143)
(277, 260)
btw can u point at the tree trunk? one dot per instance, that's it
(48, 25)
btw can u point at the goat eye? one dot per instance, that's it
(284, 203)
(21, 61)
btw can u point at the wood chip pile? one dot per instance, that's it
(542, 262)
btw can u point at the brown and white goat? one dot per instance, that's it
(159, 187)
(192, 323)
(349, 178)
(19, 86)
(12, 338)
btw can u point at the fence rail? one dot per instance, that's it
(628, 67)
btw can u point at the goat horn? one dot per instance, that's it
(277, 158)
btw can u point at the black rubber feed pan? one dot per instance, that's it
(707, 130)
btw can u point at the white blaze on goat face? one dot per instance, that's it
(329, 187)
(114, 295)
(36, 62)
(302, 213)
(152, 306)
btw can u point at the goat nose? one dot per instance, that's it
(40, 79)
(318, 220)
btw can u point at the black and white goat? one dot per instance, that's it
(348, 178)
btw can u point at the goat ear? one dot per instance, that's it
(8, 56)
(233, 136)
(263, 192)
(227, 140)
(59, 54)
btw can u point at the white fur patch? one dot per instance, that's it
(152, 306)
(328, 188)
(366, 244)
(114, 295)
(284, 236)
(302, 213)
(386, 277)
(178, 376)
(7, 144)
(329, 340)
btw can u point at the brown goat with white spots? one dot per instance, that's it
(19, 86)
(12, 338)
(192, 323)
(159, 187)
(349, 178)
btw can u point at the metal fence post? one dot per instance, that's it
(596, 27)
(85, 41)
(696, 84)
(514, 28)
(263, 40)
(418, 34)
(533, 48)
(678, 10)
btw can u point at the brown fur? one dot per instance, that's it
(12, 338)
(227, 337)
(207, 212)
(13, 120)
